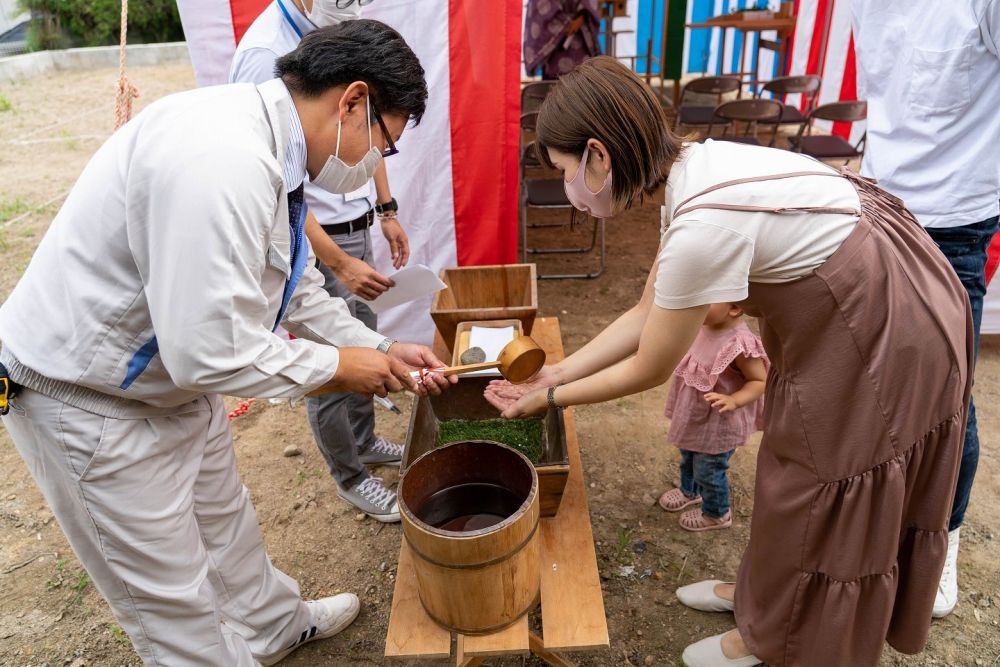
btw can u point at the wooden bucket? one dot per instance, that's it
(483, 578)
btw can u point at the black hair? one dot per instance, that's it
(359, 50)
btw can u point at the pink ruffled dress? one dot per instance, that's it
(708, 366)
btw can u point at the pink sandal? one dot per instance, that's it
(674, 500)
(696, 522)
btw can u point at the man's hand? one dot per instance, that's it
(361, 279)
(366, 371)
(399, 243)
(419, 356)
(501, 394)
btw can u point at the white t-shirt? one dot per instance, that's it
(711, 255)
(931, 74)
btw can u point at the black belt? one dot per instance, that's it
(356, 225)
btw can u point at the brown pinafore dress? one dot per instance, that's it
(865, 411)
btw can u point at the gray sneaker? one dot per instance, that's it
(374, 499)
(383, 453)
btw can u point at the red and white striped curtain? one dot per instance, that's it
(456, 175)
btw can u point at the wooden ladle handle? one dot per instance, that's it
(460, 370)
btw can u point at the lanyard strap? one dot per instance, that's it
(288, 17)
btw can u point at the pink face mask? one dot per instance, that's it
(597, 204)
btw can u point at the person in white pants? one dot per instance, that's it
(158, 288)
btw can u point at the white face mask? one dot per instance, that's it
(339, 178)
(325, 13)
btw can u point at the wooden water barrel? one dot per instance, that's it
(470, 517)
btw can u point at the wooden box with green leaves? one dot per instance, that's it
(462, 413)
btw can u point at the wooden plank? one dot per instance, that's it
(551, 658)
(439, 348)
(547, 334)
(572, 602)
(511, 640)
(412, 633)
(463, 659)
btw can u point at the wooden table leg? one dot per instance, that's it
(462, 660)
(739, 68)
(550, 657)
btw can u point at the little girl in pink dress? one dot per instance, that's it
(714, 405)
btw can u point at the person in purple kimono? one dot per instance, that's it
(559, 35)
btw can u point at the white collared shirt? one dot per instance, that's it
(930, 71)
(272, 35)
(294, 169)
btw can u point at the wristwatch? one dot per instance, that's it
(391, 205)
(386, 343)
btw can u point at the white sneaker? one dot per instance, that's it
(947, 593)
(329, 616)
(701, 596)
(708, 653)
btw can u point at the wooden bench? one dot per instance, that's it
(571, 599)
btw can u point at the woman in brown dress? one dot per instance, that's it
(867, 328)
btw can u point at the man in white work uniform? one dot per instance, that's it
(337, 226)
(931, 74)
(158, 287)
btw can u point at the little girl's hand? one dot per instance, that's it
(721, 402)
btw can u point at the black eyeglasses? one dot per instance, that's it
(391, 145)
(344, 4)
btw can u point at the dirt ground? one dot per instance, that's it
(50, 613)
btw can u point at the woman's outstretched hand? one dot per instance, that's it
(504, 396)
(529, 405)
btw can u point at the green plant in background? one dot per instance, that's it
(66, 23)
(11, 208)
(118, 633)
(5, 104)
(524, 435)
(623, 549)
(80, 583)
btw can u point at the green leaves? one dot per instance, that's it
(524, 435)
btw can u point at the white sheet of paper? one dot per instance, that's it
(492, 340)
(413, 282)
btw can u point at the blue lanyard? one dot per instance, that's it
(288, 17)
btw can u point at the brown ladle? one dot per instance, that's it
(519, 360)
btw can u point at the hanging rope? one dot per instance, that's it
(126, 91)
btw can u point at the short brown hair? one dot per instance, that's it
(604, 100)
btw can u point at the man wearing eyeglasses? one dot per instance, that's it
(157, 289)
(338, 228)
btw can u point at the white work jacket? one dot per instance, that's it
(162, 276)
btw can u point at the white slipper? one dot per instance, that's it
(701, 596)
(708, 653)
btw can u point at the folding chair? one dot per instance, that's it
(750, 112)
(807, 86)
(831, 147)
(550, 193)
(702, 116)
(534, 93)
